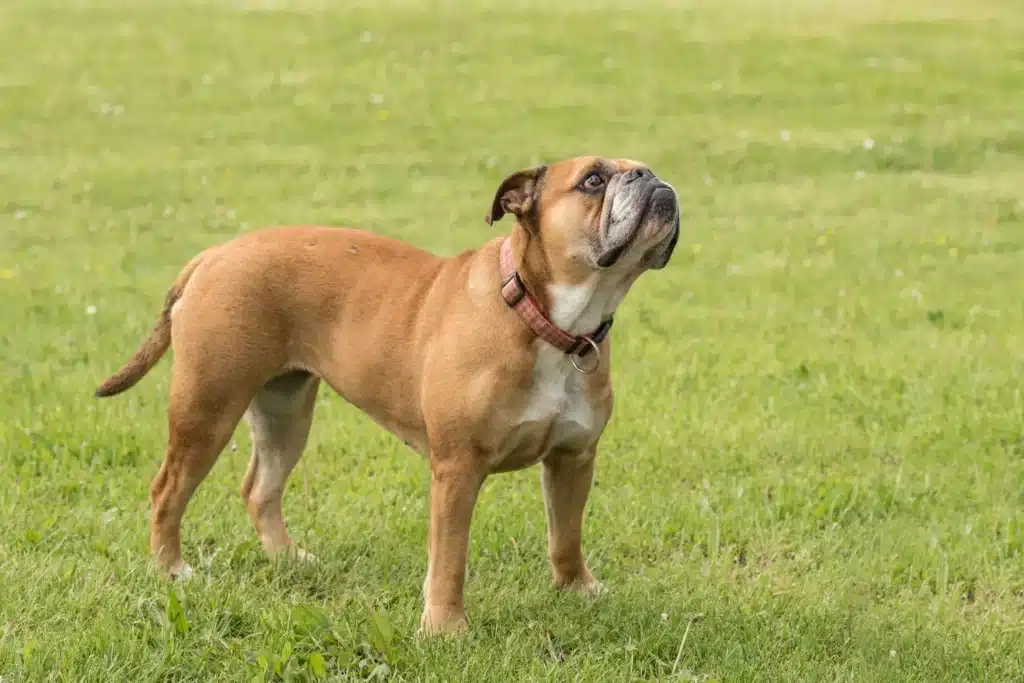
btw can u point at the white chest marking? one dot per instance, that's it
(559, 391)
(558, 395)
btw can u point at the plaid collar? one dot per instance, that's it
(513, 291)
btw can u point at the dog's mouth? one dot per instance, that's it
(666, 256)
(663, 206)
(611, 256)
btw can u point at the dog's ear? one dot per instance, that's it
(517, 194)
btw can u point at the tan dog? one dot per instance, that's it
(489, 361)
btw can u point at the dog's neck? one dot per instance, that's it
(576, 307)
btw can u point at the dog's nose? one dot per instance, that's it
(635, 174)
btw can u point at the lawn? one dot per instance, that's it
(815, 469)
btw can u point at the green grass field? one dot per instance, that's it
(815, 470)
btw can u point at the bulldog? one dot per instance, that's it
(489, 361)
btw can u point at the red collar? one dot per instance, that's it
(513, 291)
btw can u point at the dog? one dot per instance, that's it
(489, 361)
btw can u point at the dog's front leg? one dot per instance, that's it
(566, 480)
(455, 482)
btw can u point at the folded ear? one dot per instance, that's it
(516, 194)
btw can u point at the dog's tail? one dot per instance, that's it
(155, 345)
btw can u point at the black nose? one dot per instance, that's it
(636, 174)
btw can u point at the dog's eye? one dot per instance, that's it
(592, 181)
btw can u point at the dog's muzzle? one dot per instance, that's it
(663, 208)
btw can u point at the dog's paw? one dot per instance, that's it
(291, 553)
(586, 585)
(438, 621)
(303, 557)
(181, 572)
(294, 553)
(592, 588)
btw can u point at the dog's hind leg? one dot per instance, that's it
(201, 420)
(279, 418)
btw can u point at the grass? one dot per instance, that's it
(814, 471)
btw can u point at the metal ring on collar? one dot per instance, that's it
(597, 358)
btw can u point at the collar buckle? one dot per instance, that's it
(514, 294)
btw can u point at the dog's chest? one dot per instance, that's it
(558, 395)
(558, 415)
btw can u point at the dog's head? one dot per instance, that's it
(593, 215)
